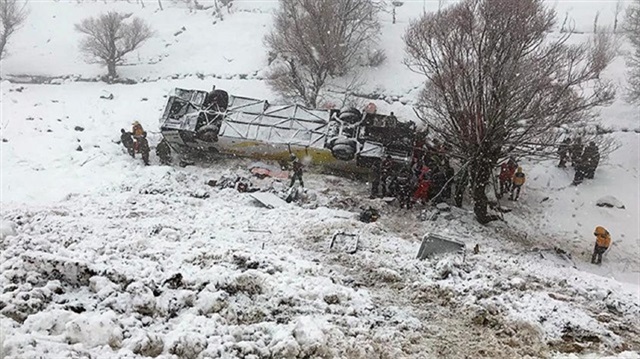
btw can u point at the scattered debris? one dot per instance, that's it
(79, 148)
(109, 97)
(200, 194)
(263, 170)
(183, 29)
(4, 140)
(435, 244)
(610, 202)
(544, 199)
(174, 282)
(369, 215)
(331, 299)
(239, 183)
(476, 249)
(144, 99)
(79, 128)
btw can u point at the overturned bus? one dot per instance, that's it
(347, 139)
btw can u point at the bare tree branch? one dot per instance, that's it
(12, 14)
(497, 86)
(109, 38)
(632, 28)
(316, 40)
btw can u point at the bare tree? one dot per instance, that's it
(12, 14)
(317, 40)
(109, 38)
(496, 85)
(632, 29)
(616, 15)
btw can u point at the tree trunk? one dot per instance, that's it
(482, 170)
(111, 68)
(461, 186)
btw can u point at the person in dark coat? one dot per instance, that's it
(404, 184)
(375, 181)
(439, 179)
(563, 152)
(590, 160)
(143, 147)
(575, 150)
(163, 151)
(127, 141)
(296, 166)
(386, 168)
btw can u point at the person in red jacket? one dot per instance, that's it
(507, 170)
(424, 183)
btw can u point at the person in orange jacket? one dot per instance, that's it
(517, 182)
(603, 241)
(136, 131)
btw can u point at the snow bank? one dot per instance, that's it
(7, 228)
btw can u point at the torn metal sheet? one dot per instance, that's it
(435, 244)
(345, 241)
(268, 200)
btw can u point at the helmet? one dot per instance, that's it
(136, 123)
(519, 170)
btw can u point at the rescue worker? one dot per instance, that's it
(137, 132)
(127, 142)
(438, 184)
(386, 167)
(403, 186)
(590, 160)
(163, 151)
(563, 152)
(507, 171)
(143, 148)
(424, 183)
(603, 241)
(518, 181)
(575, 151)
(392, 120)
(296, 166)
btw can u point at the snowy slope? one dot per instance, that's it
(97, 234)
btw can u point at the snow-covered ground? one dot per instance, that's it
(92, 241)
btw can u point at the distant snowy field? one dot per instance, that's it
(90, 238)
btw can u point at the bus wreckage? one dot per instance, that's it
(347, 139)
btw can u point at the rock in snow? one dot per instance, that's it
(610, 202)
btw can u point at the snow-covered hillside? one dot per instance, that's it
(103, 257)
